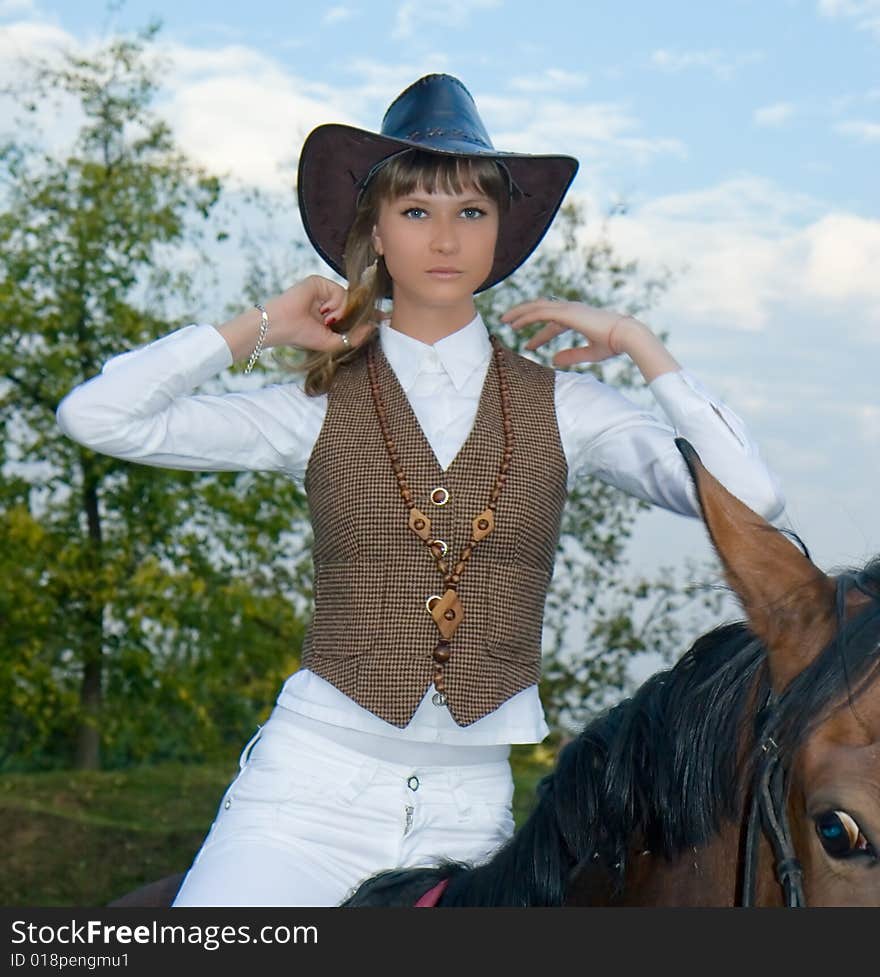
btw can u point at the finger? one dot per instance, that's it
(550, 331)
(582, 354)
(529, 318)
(531, 312)
(530, 307)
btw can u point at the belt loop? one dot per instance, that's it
(246, 752)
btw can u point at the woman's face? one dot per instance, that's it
(438, 247)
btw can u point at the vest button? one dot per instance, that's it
(440, 495)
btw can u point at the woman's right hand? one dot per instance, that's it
(304, 314)
(300, 316)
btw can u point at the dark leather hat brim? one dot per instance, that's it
(336, 157)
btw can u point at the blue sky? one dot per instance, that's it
(744, 135)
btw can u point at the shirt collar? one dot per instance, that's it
(460, 353)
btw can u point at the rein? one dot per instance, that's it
(768, 811)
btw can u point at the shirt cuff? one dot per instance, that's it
(682, 398)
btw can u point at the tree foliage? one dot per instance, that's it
(145, 613)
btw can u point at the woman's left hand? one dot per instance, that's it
(604, 329)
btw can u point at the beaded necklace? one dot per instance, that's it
(447, 610)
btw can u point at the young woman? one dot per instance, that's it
(436, 464)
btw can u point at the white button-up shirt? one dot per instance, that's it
(142, 408)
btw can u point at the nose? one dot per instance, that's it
(445, 238)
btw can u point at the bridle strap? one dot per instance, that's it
(774, 794)
(768, 811)
(750, 853)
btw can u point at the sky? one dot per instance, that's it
(743, 136)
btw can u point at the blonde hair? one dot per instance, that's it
(368, 278)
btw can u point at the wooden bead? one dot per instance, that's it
(442, 654)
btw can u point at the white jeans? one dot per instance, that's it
(307, 818)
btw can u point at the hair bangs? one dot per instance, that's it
(413, 171)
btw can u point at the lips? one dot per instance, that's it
(444, 271)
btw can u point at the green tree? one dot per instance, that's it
(145, 613)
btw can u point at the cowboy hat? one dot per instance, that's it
(435, 114)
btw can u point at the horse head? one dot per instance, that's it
(818, 740)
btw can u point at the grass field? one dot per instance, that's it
(82, 839)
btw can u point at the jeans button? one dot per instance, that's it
(413, 783)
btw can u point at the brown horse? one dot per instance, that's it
(748, 774)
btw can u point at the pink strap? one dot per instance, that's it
(432, 896)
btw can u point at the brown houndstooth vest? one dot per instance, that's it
(371, 634)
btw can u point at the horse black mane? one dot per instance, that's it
(663, 769)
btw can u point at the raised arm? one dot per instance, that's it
(142, 407)
(609, 436)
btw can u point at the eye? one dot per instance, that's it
(841, 836)
(472, 213)
(414, 212)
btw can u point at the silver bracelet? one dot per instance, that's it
(264, 329)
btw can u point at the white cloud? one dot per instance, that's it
(383, 81)
(860, 129)
(27, 39)
(746, 248)
(865, 13)
(553, 79)
(24, 42)
(599, 131)
(774, 115)
(237, 111)
(412, 16)
(841, 258)
(721, 65)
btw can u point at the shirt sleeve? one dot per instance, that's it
(142, 408)
(607, 435)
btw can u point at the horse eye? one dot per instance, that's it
(840, 834)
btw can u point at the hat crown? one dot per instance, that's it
(440, 113)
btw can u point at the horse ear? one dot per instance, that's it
(789, 602)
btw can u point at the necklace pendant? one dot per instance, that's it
(483, 524)
(420, 524)
(448, 613)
